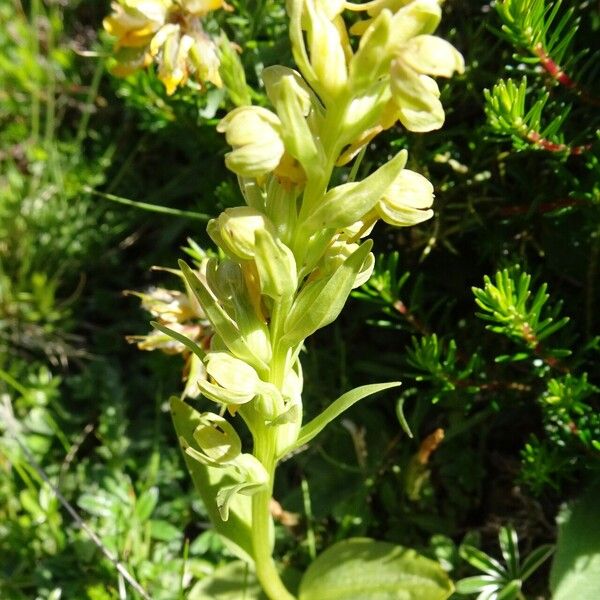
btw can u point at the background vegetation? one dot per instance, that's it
(487, 313)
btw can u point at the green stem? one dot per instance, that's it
(266, 571)
(165, 210)
(35, 96)
(82, 129)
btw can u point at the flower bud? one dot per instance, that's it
(327, 56)
(335, 256)
(416, 98)
(232, 72)
(433, 55)
(235, 229)
(254, 134)
(231, 380)
(217, 438)
(276, 266)
(407, 201)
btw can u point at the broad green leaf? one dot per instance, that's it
(575, 573)
(236, 531)
(321, 302)
(233, 581)
(164, 531)
(99, 504)
(336, 408)
(146, 503)
(364, 569)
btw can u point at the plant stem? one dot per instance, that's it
(266, 571)
(35, 96)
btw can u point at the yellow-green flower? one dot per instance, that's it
(412, 55)
(255, 135)
(169, 33)
(407, 201)
(415, 94)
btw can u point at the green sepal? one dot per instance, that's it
(320, 302)
(276, 266)
(236, 531)
(292, 99)
(336, 408)
(346, 204)
(372, 59)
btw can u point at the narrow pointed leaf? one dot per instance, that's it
(358, 199)
(321, 302)
(534, 560)
(510, 591)
(189, 344)
(481, 561)
(477, 583)
(336, 408)
(509, 545)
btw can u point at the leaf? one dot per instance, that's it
(510, 591)
(186, 341)
(477, 583)
(509, 544)
(164, 531)
(481, 561)
(146, 503)
(320, 302)
(220, 320)
(534, 559)
(401, 418)
(236, 531)
(233, 581)
(336, 408)
(358, 198)
(575, 572)
(99, 504)
(364, 569)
